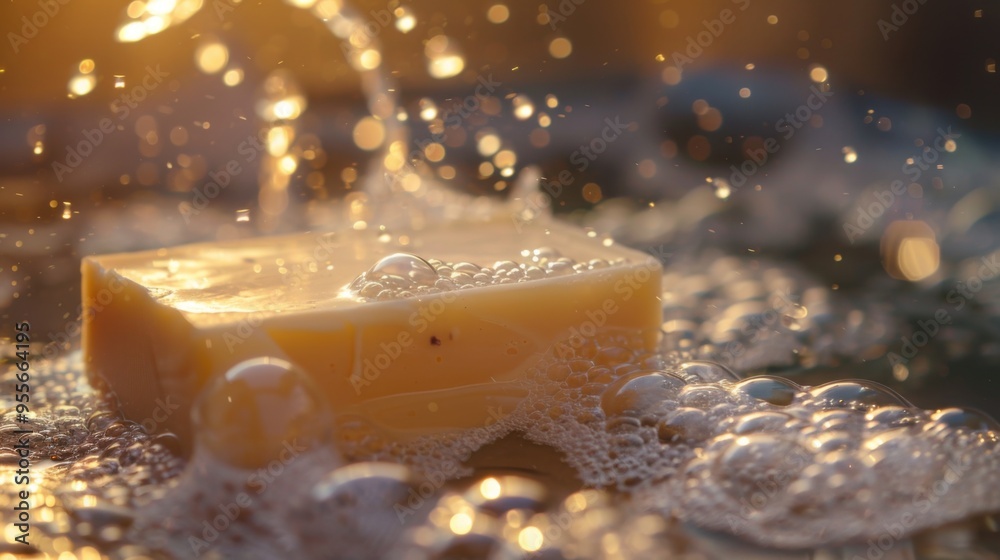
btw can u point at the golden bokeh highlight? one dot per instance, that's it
(910, 250)
(560, 47)
(369, 133)
(498, 13)
(211, 56)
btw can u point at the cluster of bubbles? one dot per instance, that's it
(403, 275)
(674, 445)
(90, 471)
(677, 445)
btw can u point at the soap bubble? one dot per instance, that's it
(702, 370)
(351, 508)
(640, 392)
(773, 390)
(404, 265)
(261, 410)
(856, 394)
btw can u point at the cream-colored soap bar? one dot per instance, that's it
(426, 340)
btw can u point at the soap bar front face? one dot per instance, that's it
(416, 342)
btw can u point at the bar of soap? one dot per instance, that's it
(419, 334)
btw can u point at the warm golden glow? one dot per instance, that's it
(233, 77)
(818, 74)
(434, 152)
(850, 155)
(523, 107)
(428, 110)
(446, 66)
(560, 47)
(530, 539)
(505, 158)
(369, 133)
(370, 59)
(145, 18)
(919, 257)
(498, 13)
(460, 523)
(490, 488)
(910, 250)
(488, 144)
(443, 58)
(82, 85)
(405, 20)
(211, 56)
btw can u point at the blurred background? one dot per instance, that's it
(844, 148)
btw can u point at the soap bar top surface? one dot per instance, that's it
(306, 272)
